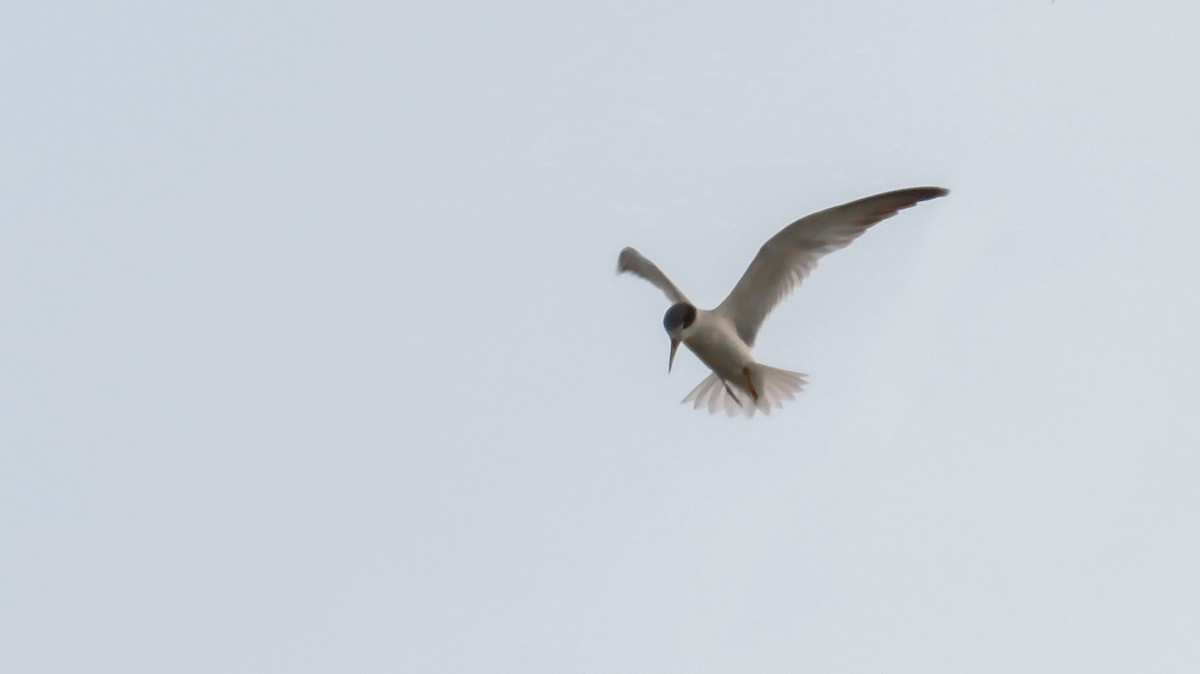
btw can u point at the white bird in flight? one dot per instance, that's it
(722, 337)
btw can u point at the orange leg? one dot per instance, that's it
(750, 382)
(731, 394)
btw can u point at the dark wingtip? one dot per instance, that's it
(622, 267)
(924, 193)
(914, 195)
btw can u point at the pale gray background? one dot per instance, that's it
(313, 358)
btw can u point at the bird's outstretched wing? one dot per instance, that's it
(634, 262)
(788, 257)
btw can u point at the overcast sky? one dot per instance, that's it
(312, 356)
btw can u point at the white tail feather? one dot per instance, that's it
(772, 384)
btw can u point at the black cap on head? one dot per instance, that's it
(680, 315)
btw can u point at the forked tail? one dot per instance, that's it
(766, 389)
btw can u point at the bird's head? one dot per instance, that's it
(678, 318)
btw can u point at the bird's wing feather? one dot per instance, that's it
(789, 256)
(635, 263)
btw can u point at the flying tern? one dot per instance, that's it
(722, 338)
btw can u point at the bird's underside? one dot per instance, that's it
(723, 337)
(760, 389)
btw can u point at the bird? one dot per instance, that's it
(723, 337)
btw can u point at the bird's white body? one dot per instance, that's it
(722, 338)
(738, 383)
(716, 343)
